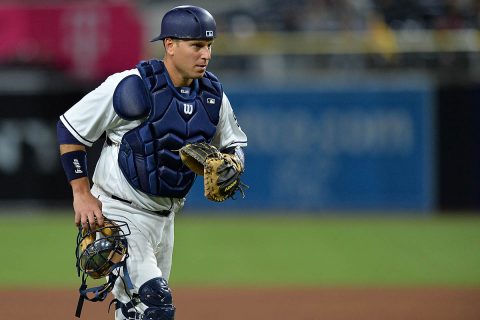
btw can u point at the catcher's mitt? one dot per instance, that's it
(194, 156)
(221, 171)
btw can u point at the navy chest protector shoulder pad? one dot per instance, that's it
(131, 100)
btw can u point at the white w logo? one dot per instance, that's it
(187, 108)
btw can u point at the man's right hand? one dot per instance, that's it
(88, 209)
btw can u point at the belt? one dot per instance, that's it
(163, 213)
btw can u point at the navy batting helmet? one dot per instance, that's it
(187, 22)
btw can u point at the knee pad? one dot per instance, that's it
(157, 296)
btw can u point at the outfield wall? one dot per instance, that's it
(370, 143)
(364, 144)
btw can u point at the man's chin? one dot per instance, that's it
(198, 75)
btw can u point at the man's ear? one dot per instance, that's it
(168, 44)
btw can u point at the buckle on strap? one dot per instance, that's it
(124, 307)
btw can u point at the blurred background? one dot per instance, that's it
(363, 159)
(356, 106)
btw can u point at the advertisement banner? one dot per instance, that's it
(367, 146)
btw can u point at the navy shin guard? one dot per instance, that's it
(157, 296)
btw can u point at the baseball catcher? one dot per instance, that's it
(148, 113)
(101, 252)
(221, 171)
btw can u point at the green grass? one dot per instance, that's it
(328, 252)
(38, 250)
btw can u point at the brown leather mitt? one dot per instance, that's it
(221, 171)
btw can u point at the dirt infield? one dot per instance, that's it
(266, 304)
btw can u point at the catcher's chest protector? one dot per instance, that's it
(149, 156)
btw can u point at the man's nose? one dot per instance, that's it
(206, 53)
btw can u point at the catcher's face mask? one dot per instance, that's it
(100, 253)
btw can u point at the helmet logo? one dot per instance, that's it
(209, 33)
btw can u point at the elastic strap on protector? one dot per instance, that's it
(100, 293)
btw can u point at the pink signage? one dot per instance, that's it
(89, 41)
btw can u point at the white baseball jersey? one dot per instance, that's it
(94, 114)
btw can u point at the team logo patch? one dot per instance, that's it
(210, 101)
(209, 33)
(78, 167)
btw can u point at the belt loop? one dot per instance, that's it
(163, 213)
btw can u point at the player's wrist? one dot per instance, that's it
(75, 164)
(80, 186)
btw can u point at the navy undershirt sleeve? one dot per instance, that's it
(64, 136)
